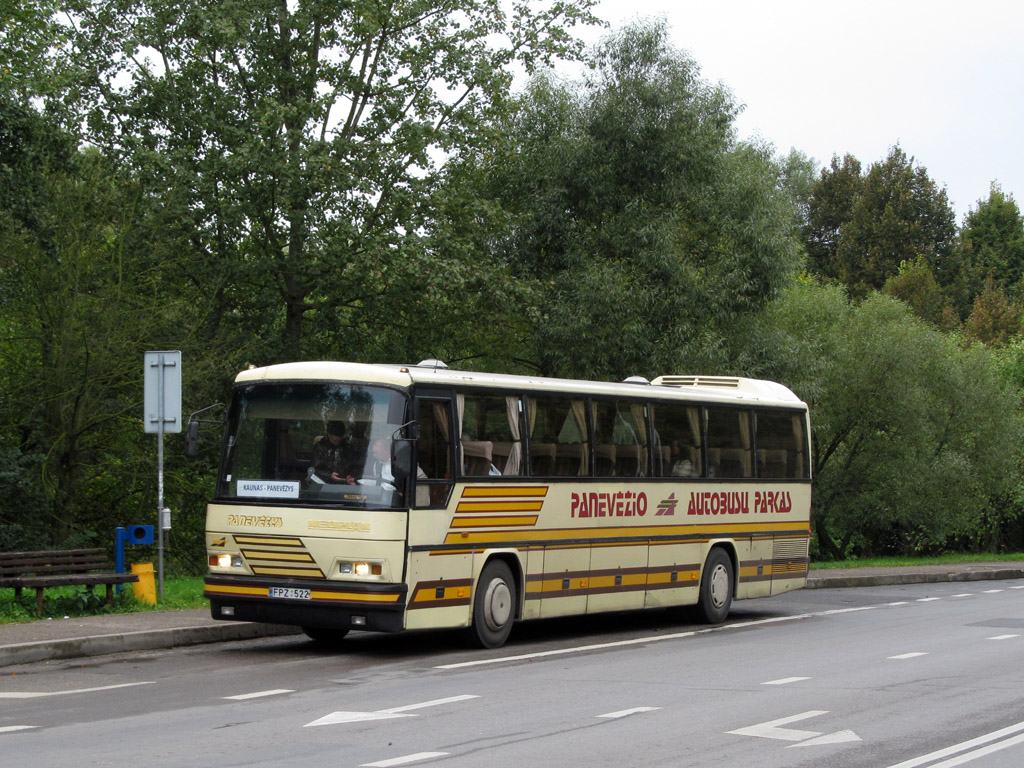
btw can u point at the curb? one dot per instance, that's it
(145, 640)
(894, 579)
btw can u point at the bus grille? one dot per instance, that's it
(278, 556)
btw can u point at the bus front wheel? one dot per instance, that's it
(716, 587)
(494, 605)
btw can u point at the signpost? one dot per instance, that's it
(162, 386)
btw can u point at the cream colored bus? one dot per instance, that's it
(387, 497)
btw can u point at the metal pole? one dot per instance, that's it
(160, 479)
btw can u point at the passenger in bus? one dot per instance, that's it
(332, 459)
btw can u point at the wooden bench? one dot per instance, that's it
(59, 568)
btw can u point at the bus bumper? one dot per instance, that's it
(332, 605)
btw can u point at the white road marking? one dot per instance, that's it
(992, 591)
(771, 729)
(627, 712)
(404, 760)
(673, 636)
(12, 728)
(1019, 586)
(383, 714)
(434, 703)
(965, 594)
(912, 655)
(964, 746)
(39, 694)
(928, 599)
(786, 681)
(839, 737)
(1003, 637)
(259, 694)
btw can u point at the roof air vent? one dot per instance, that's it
(635, 380)
(431, 363)
(698, 381)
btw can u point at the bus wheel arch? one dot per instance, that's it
(717, 584)
(496, 599)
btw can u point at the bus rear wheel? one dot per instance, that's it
(716, 587)
(494, 606)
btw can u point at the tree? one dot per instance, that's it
(992, 240)
(914, 436)
(995, 320)
(296, 145)
(864, 227)
(916, 286)
(637, 227)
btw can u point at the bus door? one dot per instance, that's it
(434, 449)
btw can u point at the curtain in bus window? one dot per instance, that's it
(579, 415)
(640, 427)
(515, 454)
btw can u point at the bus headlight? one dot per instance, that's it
(360, 569)
(225, 560)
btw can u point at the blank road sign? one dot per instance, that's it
(162, 386)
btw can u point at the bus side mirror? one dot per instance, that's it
(192, 439)
(401, 460)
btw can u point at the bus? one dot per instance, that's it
(396, 497)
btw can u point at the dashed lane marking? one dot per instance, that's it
(258, 694)
(40, 694)
(405, 760)
(628, 712)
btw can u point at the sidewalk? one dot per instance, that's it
(53, 639)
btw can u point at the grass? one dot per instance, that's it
(179, 593)
(936, 560)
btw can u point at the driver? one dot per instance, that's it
(332, 460)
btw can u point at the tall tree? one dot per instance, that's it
(638, 227)
(863, 227)
(992, 240)
(296, 143)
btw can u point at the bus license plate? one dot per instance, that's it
(290, 592)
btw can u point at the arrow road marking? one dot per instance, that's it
(383, 714)
(839, 737)
(771, 729)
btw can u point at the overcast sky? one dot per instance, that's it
(943, 80)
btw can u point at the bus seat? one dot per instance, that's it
(542, 459)
(477, 457)
(772, 463)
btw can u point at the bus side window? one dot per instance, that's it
(434, 455)
(558, 437)
(780, 445)
(730, 442)
(620, 439)
(491, 437)
(677, 440)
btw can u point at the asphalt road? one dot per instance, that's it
(920, 675)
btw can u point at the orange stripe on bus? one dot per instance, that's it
(491, 521)
(492, 491)
(499, 506)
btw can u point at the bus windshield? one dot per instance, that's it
(312, 443)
